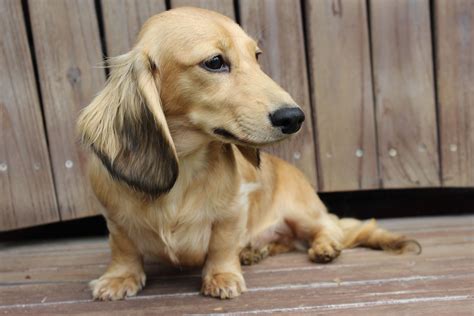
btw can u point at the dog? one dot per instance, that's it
(174, 140)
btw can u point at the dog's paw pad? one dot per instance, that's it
(324, 252)
(223, 285)
(116, 288)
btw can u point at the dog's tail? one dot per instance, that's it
(368, 234)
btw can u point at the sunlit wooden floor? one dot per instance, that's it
(46, 277)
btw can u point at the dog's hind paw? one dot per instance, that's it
(324, 252)
(249, 255)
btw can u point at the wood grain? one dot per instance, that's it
(404, 94)
(41, 277)
(123, 20)
(278, 28)
(339, 56)
(454, 38)
(27, 195)
(225, 7)
(67, 45)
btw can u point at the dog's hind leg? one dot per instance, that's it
(252, 255)
(316, 227)
(325, 244)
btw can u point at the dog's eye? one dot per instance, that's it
(216, 64)
(257, 54)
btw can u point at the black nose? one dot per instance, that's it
(289, 119)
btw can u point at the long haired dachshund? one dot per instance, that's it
(174, 140)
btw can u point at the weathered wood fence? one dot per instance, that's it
(387, 86)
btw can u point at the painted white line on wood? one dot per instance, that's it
(349, 305)
(362, 282)
(45, 304)
(285, 287)
(319, 267)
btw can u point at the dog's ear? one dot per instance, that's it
(251, 154)
(126, 127)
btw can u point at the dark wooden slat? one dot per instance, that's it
(225, 7)
(123, 20)
(295, 266)
(321, 296)
(67, 46)
(404, 93)
(450, 224)
(428, 222)
(454, 21)
(406, 268)
(278, 28)
(339, 55)
(437, 241)
(93, 263)
(27, 195)
(413, 308)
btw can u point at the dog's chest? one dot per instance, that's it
(178, 226)
(180, 230)
(181, 238)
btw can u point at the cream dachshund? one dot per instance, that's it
(174, 159)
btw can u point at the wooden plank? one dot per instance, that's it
(94, 262)
(225, 7)
(454, 20)
(413, 307)
(436, 239)
(428, 222)
(68, 50)
(404, 93)
(123, 20)
(26, 181)
(339, 56)
(294, 265)
(185, 298)
(278, 28)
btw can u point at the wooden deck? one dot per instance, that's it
(46, 277)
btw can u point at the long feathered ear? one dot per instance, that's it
(126, 128)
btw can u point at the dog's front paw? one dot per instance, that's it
(112, 288)
(223, 285)
(324, 251)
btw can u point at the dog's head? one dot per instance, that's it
(190, 69)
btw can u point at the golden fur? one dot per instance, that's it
(174, 161)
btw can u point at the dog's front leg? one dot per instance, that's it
(222, 274)
(124, 275)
